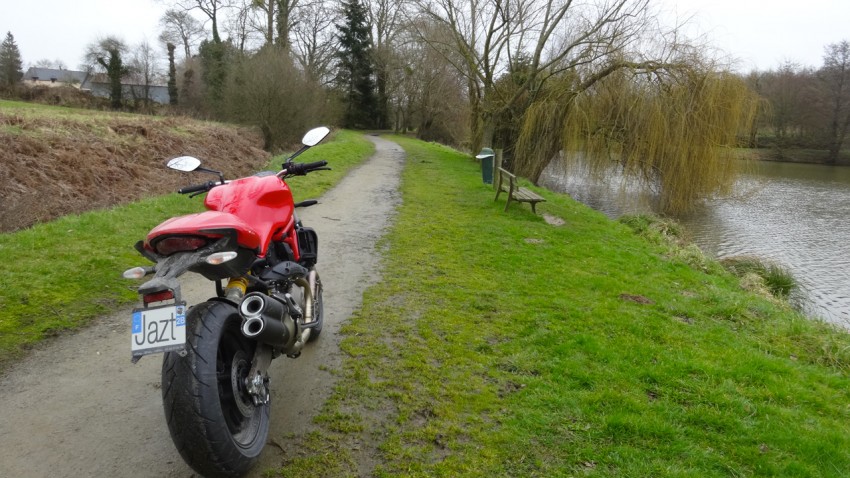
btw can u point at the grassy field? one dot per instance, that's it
(61, 274)
(500, 345)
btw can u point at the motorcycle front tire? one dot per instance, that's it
(213, 422)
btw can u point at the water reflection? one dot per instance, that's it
(794, 214)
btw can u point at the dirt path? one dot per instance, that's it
(77, 407)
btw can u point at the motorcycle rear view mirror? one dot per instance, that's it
(315, 136)
(184, 163)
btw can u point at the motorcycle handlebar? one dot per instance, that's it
(291, 169)
(300, 169)
(316, 165)
(197, 188)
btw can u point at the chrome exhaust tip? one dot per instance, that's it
(252, 307)
(253, 327)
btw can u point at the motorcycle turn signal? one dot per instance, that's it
(137, 272)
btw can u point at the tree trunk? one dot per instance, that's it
(475, 131)
(270, 20)
(488, 129)
(383, 110)
(284, 8)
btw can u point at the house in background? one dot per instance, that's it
(52, 77)
(95, 83)
(98, 84)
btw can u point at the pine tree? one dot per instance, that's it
(10, 62)
(355, 76)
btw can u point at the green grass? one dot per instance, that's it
(46, 122)
(775, 277)
(29, 109)
(499, 345)
(9, 105)
(755, 274)
(62, 274)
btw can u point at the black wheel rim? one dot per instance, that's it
(233, 363)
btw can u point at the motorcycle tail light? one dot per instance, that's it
(170, 245)
(158, 296)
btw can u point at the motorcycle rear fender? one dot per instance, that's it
(169, 268)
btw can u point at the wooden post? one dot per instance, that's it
(497, 163)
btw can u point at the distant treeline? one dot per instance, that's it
(804, 107)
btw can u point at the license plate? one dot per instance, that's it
(160, 329)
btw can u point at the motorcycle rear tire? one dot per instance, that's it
(214, 424)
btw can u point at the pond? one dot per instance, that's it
(795, 214)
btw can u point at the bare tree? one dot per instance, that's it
(263, 19)
(239, 26)
(835, 79)
(386, 18)
(45, 63)
(181, 28)
(553, 36)
(313, 40)
(211, 9)
(428, 92)
(144, 71)
(286, 16)
(275, 19)
(784, 88)
(212, 53)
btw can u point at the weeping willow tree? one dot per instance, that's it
(671, 128)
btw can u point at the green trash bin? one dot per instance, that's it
(486, 156)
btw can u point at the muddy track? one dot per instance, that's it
(77, 407)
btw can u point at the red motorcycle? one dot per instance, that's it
(268, 303)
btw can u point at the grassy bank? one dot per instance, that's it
(61, 274)
(62, 161)
(500, 345)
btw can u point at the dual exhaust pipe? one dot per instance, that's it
(272, 321)
(267, 320)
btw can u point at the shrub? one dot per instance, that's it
(656, 229)
(777, 278)
(267, 91)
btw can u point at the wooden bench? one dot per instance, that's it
(515, 193)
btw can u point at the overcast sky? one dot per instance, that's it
(764, 33)
(760, 33)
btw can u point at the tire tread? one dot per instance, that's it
(203, 440)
